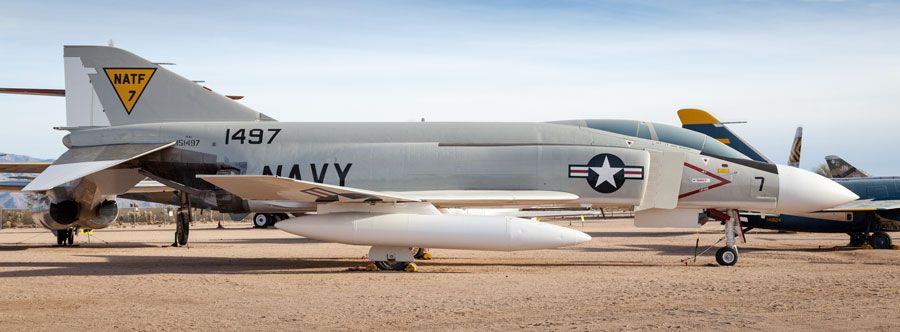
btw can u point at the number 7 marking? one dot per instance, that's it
(762, 181)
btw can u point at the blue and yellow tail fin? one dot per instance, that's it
(704, 123)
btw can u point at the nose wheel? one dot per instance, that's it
(726, 256)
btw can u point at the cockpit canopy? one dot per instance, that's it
(663, 133)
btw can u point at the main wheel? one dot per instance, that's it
(880, 240)
(726, 256)
(393, 266)
(262, 220)
(60, 237)
(182, 229)
(70, 237)
(857, 239)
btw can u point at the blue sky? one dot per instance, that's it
(832, 66)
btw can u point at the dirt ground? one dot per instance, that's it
(626, 278)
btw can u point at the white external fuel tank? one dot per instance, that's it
(498, 233)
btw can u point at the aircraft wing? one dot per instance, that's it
(866, 205)
(83, 161)
(23, 167)
(276, 188)
(268, 187)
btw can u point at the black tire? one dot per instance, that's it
(60, 237)
(391, 266)
(182, 229)
(726, 256)
(70, 237)
(262, 220)
(857, 239)
(880, 240)
(276, 217)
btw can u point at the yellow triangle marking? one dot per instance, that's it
(129, 84)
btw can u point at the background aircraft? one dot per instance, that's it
(866, 220)
(840, 169)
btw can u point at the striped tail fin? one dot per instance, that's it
(794, 158)
(704, 123)
(841, 169)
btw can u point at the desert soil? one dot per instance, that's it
(626, 278)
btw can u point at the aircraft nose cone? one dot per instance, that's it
(801, 191)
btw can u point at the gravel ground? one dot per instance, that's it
(626, 278)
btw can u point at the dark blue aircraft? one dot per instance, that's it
(866, 220)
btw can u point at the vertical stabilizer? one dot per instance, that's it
(704, 123)
(132, 90)
(794, 158)
(841, 169)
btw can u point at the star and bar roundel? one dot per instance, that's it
(606, 172)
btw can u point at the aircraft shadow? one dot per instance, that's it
(688, 250)
(640, 234)
(147, 265)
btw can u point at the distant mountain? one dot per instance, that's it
(20, 201)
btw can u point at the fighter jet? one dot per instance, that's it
(384, 184)
(866, 220)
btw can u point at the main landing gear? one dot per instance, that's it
(874, 235)
(878, 240)
(265, 220)
(183, 221)
(65, 237)
(394, 258)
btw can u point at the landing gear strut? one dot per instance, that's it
(183, 221)
(65, 237)
(728, 255)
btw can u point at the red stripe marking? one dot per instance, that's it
(722, 181)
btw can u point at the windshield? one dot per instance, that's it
(666, 133)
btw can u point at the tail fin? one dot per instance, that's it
(842, 169)
(704, 123)
(794, 158)
(132, 90)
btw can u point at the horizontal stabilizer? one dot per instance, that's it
(83, 161)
